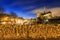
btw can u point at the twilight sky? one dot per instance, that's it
(28, 8)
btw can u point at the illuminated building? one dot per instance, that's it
(5, 18)
(43, 17)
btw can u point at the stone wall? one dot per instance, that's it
(32, 31)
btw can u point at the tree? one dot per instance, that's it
(13, 14)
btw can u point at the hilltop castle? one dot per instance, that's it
(47, 17)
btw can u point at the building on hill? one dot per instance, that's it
(48, 15)
(5, 18)
(43, 17)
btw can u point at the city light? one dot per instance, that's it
(3, 22)
(6, 18)
(19, 21)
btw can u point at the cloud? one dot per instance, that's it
(55, 11)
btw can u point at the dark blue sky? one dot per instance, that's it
(23, 8)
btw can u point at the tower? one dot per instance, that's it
(39, 17)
